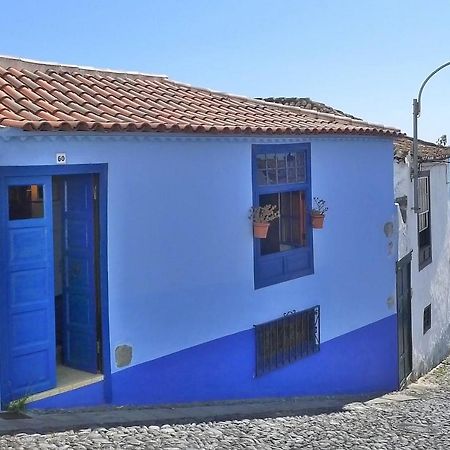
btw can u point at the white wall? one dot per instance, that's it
(431, 284)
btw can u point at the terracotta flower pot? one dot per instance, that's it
(317, 220)
(260, 229)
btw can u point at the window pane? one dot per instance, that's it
(291, 175)
(287, 232)
(262, 171)
(271, 176)
(281, 160)
(26, 202)
(271, 161)
(282, 176)
(290, 158)
(262, 177)
(261, 161)
(301, 171)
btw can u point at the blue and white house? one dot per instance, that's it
(129, 273)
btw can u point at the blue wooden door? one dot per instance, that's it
(28, 354)
(79, 292)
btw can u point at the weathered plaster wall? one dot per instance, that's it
(180, 248)
(431, 284)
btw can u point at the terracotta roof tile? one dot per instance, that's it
(427, 150)
(50, 97)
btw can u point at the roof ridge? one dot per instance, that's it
(292, 101)
(32, 65)
(309, 112)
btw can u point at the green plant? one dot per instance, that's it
(264, 214)
(18, 405)
(319, 206)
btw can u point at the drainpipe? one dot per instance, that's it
(416, 114)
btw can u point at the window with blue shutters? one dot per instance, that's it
(282, 177)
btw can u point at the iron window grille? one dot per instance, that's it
(285, 340)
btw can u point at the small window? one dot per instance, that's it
(426, 319)
(424, 220)
(287, 339)
(26, 202)
(403, 205)
(282, 177)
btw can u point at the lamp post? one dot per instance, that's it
(416, 114)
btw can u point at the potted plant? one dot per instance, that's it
(318, 213)
(261, 216)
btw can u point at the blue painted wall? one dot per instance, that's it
(359, 362)
(180, 250)
(92, 395)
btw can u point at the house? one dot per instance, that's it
(423, 247)
(129, 273)
(424, 254)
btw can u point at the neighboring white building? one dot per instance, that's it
(426, 237)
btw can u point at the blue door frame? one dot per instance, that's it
(102, 171)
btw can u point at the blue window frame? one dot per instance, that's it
(282, 177)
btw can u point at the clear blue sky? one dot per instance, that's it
(366, 57)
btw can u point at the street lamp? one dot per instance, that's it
(416, 113)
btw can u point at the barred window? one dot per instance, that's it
(287, 339)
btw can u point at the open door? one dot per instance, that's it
(28, 310)
(404, 318)
(79, 291)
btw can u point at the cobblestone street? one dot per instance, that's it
(416, 418)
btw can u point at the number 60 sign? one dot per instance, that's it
(61, 158)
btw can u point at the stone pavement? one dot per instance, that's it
(415, 418)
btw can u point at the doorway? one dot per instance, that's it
(404, 318)
(51, 319)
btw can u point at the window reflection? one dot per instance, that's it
(26, 202)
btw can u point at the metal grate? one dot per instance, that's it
(287, 339)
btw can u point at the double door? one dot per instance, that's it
(27, 321)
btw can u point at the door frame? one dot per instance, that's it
(406, 260)
(54, 170)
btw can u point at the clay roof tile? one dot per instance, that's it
(45, 97)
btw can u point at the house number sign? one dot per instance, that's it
(61, 158)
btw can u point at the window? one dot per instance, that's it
(424, 220)
(281, 177)
(426, 319)
(403, 206)
(287, 339)
(26, 202)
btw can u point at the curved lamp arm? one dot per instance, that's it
(416, 114)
